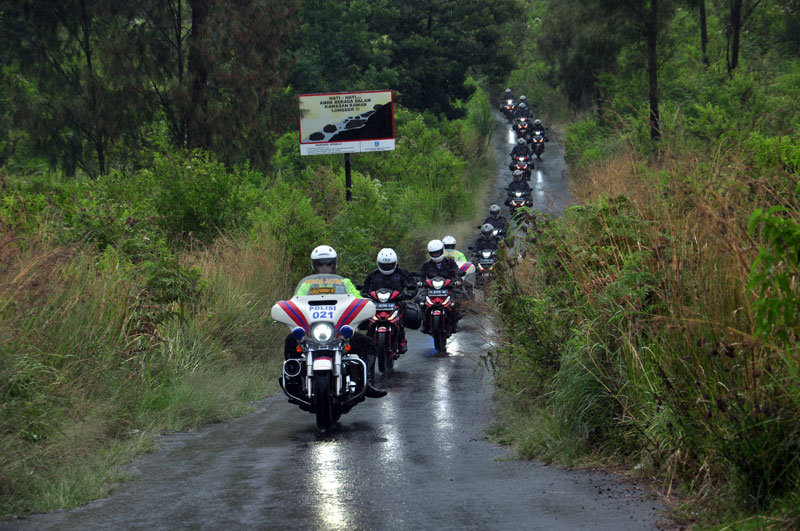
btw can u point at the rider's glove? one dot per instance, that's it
(457, 283)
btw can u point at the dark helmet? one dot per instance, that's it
(486, 229)
(494, 210)
(520, 141)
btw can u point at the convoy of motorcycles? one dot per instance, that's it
(325, 378)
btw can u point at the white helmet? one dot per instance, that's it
(436, 250)
(522, 98)
(537, 123)
(449, 242)
(517, 175)
(494, 210)
(487, 229)
(323, 255)
(387, 261)
(508, 91)
(521, 141)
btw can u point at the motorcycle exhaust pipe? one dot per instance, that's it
(292, 368)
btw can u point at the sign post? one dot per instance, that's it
(346, 122)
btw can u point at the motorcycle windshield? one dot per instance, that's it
(321, 285)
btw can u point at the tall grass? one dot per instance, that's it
(84, 367)
(639, 333)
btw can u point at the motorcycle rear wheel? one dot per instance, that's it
(323, 402)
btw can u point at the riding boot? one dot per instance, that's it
(403, 343)
(372, 391)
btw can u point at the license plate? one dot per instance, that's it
(437, 293)
(384, 307)
(487, 261)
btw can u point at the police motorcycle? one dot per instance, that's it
(324, 378)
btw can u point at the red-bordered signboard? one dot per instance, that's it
(346, 122)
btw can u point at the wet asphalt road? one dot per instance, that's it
(416, 459)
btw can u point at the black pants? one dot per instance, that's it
(360, 344)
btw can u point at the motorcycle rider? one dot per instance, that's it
(486, 241)
(539, 126)
(441, 266)
(390, 276)
(519, 184)
(495, 219)
(521, 149)
(524, 99)
(523, 110)
(324, 261)
(450, 250)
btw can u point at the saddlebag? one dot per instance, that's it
(412, 315)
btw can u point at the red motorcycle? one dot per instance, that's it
(386, 326)
(438, 310)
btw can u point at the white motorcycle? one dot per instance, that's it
(324, 378)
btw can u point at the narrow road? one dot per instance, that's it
(416, 459)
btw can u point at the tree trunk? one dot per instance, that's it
(652, 60)
(735, 30)
(197, 133)
(704, 32)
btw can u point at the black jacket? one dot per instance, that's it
(498, 222)
(518, 186)
(483, 243)
(399, 280)
(447, 268)
(521, 151)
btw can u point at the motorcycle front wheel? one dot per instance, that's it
(384, 356)
(439, 337)
(324, 402)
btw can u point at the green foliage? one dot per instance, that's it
(774, 275)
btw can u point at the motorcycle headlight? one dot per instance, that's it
(486, 254)
(383, 297)
(518, 194)
(322, 332)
